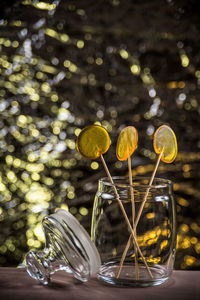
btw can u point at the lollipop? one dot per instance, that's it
(165, 145)
(126, 145)
(92, 142)
(165, 139)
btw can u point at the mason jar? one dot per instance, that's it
(142, 252)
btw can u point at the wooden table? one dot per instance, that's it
(15, 283)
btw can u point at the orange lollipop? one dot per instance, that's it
(126, 143)
(93, 141)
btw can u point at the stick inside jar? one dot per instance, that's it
(126, 145)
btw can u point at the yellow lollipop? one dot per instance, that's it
(93, 141)
(126, 143)
(165, 145)
(165, 140)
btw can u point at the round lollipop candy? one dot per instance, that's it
(165, 140)
(126, 143)
(165, 145)
(93, 141)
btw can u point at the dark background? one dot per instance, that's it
(67, 64)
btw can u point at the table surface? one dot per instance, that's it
(15, 283)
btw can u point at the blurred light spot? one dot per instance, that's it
(184, 60)
(35, 176)
(73, 210)
(94, 165)
(38, 231)
(11, 176)
(49, 69)
(42, 5)
(2, 188)
(100, 114)
(197, 248)
(163, 244)
(193, 240)
(77, 131)
(183, 202)
(22, 120)
(9, 159)
(186, 168)
(150, 129)
(150, 215)
(80, 12)
(182, 97)
(64, 37)
(118, 164)
(195, 227)
(80, 44)
(39, 194)
(189, 260)
(108, 86)
(16, 163)
(135, 69)
(123, 53)
(99, 61)
(184, 228)
(45, 87)
(30, 242)
(83, 211)
(54, 97)
(152, 93)
(70, 195)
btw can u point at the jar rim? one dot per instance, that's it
(162, 182)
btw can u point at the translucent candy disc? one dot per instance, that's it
(93, 141)
(126, 143)
(164, 138)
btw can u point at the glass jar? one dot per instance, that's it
(148, 245)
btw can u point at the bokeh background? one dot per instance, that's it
(67, 64)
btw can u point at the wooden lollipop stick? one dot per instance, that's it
(123, 257)
(133, 218)
(125, 215)
(147, 191)
(141, 208)
(133, 211)
(131, 188)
